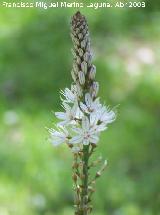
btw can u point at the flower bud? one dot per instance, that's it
(88, 47)
(98, 174)
(73, 75)
(78, 188)
(73, 53)
(81, 77)
(75, 165)
(78, 90)
(75, 46)
(92, 72)
(72, 36)
(94, 89)
(80, 36)
(74, 177)
(80, 51)
(91, 189)
(78, 60)
(77, 30)
(76, 41)
(75, 68)
(84, 67)
(83, 44)
(84, 31)
(87, 57)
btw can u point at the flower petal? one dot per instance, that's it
(76, 139)
(60, 115)
(93, 139)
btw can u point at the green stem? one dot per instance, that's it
(85, 179)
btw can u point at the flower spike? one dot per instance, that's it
(83, 118)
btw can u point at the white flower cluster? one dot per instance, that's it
(84, 117)
(81, 122)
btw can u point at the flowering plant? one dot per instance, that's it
(84, 117)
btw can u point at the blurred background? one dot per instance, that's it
(35, 63)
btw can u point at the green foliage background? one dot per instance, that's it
(35, 63)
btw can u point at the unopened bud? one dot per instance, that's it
(88, 47)
(73, 53)
(91, 189)
(73, 75)
(98, 174)
(84, 31)
(80, 36)
(93, 145)
(75, 68)
(92, 72)
(78, 188)
(94, 89)
(78, 60)
(74, 177)
(80, 51)
(76, 41)
(81, 77)
(77, 30)
(84, 67)
(75, 165)
(87, 57)
(72, 37)
(75, 46)
(83, 44)
(70, 145)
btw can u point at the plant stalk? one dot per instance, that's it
(84, 197)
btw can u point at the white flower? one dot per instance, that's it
(69, 95)
(58, 136)
(90, 105)
(95, 124)
(86, 134)
(69, 115)
(105, 115)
